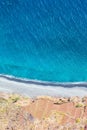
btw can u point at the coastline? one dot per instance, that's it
(35, 105)
(38, 88)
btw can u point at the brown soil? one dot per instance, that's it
(42, 113)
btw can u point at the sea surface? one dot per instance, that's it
(44, 40)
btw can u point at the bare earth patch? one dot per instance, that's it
(43, 113)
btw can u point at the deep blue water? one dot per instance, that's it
(44, 39)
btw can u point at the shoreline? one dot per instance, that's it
(37, 88)
(42, 82)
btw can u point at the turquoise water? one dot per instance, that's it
(44, 39)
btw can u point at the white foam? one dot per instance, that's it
(33, 89)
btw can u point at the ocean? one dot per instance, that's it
(44, 40)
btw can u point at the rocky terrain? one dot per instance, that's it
(42, 113)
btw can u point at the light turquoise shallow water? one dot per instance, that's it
(44, 39)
